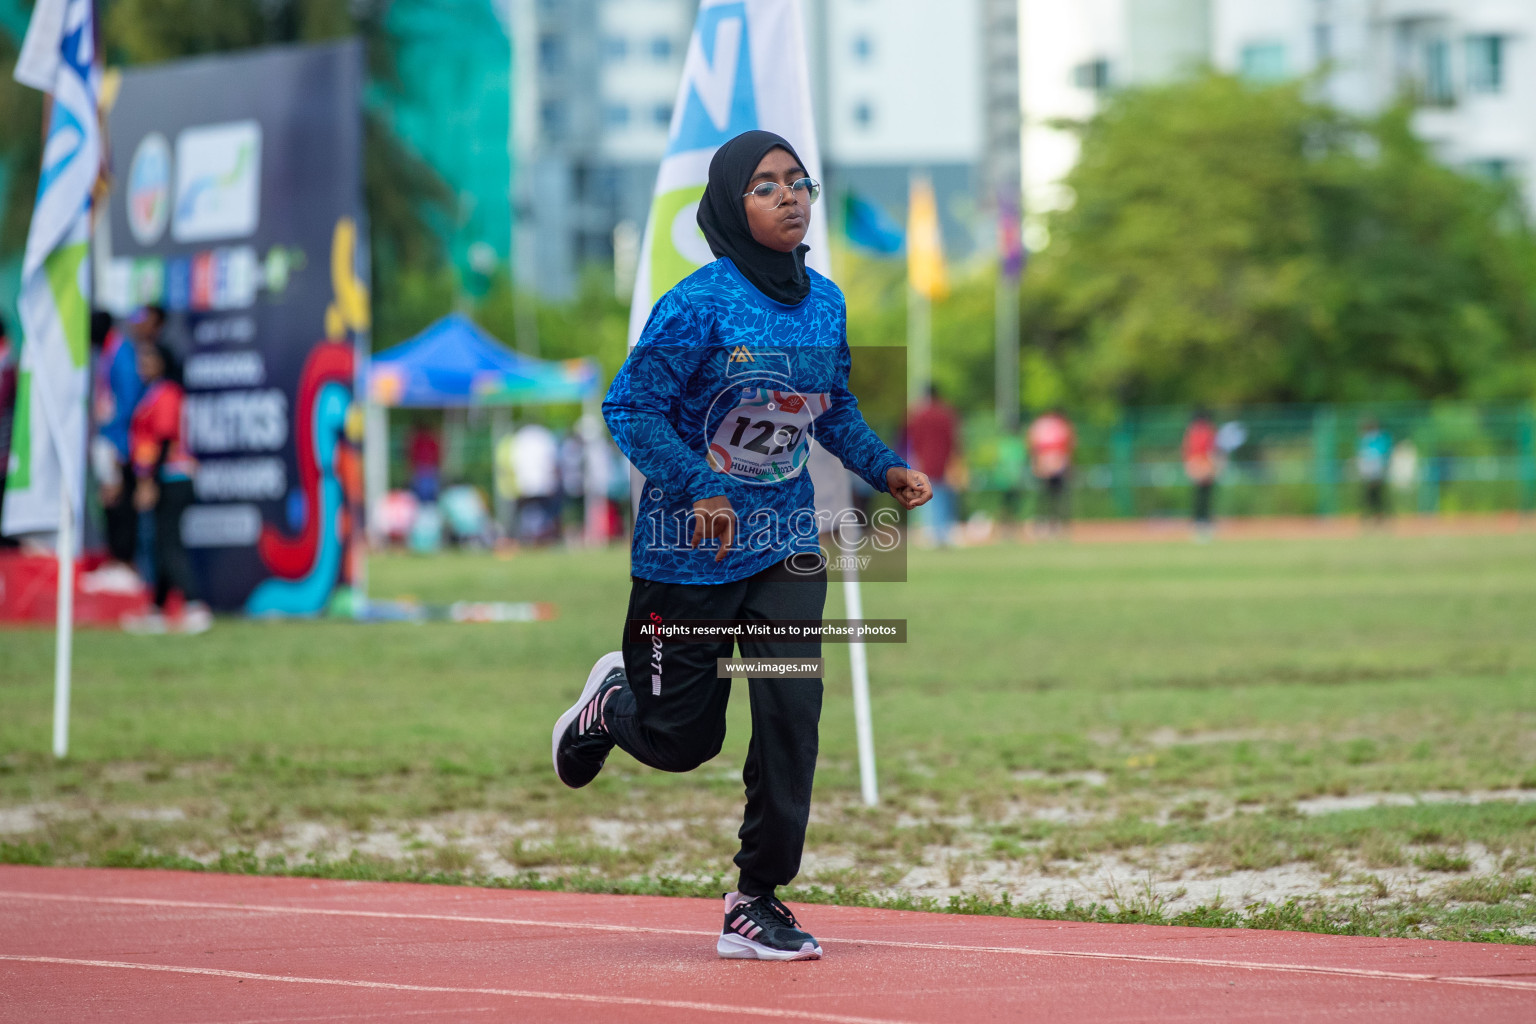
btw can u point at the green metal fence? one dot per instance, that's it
(1292, 460)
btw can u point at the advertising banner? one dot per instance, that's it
(237, 205)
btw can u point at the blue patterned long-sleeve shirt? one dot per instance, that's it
(724, 394)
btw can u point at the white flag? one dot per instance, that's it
(745, 70)
(48, 441)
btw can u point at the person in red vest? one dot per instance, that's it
(163, 468)
(425, 453)
(1202, 464)
(1051, 442)
(933, 442)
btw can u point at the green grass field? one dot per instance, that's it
(1332, 735)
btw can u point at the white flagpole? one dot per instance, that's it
(65, 625)
(863, 720)
(58, 58)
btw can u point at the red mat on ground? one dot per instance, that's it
(29, 590)
(91, 945)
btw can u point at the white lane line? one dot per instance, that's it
(1150, 958)
(258, 908)
(722, 1009)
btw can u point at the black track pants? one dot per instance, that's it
(672, 716)
(173, 569)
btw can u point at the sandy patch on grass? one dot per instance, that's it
(922, 851)
(1364, 801)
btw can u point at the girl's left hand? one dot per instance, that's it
(145, 494)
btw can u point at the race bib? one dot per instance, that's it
(766, 436)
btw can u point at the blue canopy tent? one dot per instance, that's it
(455, 364)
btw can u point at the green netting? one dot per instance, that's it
(452, 106)
(13, 23)
(13, 18)
(1294, 460)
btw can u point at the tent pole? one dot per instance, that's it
(65, 625)
(375, 469)
(501, 504)
(596, 501)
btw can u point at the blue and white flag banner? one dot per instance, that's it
(48, 444)
(745, 70)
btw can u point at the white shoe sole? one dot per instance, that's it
(606, 664)
(739, 947)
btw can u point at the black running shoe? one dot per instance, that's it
(580, 742)
(763, 929)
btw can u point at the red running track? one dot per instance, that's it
(90, 945)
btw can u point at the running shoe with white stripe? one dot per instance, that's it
(580, 742)
(762, 928)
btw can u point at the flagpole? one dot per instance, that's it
(919, 343)
(58, 58)
(64, 630)
(863, 720)
(1007, 357)
(858, 664)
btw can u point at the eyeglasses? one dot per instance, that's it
(770, 194)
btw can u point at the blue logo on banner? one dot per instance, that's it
(720, 102)
(178, 284)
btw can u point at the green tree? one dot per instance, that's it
(21, 150)
(1228, 243)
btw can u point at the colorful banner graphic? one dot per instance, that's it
(240, 210)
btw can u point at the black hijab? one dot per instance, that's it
(723, 218)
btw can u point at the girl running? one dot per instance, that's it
(739, 368)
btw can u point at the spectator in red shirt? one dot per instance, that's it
(425, 454)
(164, 468)
(1051, 442)
(1202, 464)
(933, 442)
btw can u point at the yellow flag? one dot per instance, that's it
(925, 247)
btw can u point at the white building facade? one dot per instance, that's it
(1469, 66)
(594, 86)
(898, 87)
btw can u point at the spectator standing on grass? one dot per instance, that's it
(425, 453)
(933, 441)
(8, 380)
(1202, 464)
(1009, 476)
(163, 468)
(726, 528)
(536, 464)
(115, 395)
(1372, 459)
(1051, 443)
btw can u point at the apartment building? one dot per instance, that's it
(897, 89)
(1468, 66)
